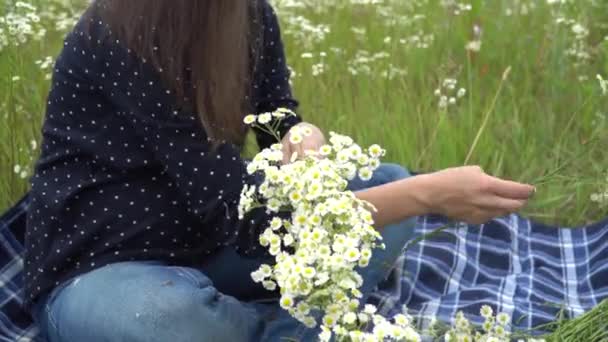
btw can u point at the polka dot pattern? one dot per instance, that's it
(124, 175)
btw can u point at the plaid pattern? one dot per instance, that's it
(15, 323)
(528, 270)
(523, 268)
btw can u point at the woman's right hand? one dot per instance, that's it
(469, 194)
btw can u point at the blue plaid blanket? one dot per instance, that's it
(529, 270)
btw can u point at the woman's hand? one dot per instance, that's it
(468, 194)
(310, 144)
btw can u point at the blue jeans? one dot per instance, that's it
(151, 301)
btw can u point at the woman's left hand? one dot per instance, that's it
(310, 144)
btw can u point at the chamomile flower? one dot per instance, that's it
(376, 151)
(603, 84)
(349, 318)
(295, 138)
(309, 272)
(264, 118)
(352, 254)
(329, 320)
(295, 197)
(486, 311)
(265, 270)
(286, 301)
(306, 131)
(269, 285)
(283, 110)
(288, 239)
(325, 150)
(250, 119)
(402, 320)
(503, 319)
(276, 223)
(365, 173)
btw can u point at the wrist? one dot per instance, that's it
(424, 193)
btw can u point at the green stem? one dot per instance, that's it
(486, 119)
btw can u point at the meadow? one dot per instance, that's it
(422, 78)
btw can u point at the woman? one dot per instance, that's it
(133, 233)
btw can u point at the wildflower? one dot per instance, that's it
(603, 84)
(329, 321)
(264, 118)
(250, 119)
(402, 320)
(306, 131)
(503, 319)
(295, 138)
(474, 46)
(447, 93)
(376, 151)
(350, 318)
(269, 285)
(309, 272)
(352, 255)
(443, 102)
(486, 311)
(288, 239)
(325, 150)
(286, 301)
(365, 173)
(276, 223)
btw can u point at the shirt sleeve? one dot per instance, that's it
(271, 80)
(209, 181)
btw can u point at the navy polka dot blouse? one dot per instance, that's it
(124, 175)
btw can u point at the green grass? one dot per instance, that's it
(544, 129)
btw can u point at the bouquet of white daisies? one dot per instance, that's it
(328, 235)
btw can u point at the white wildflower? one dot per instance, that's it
(250, 119)
(264, 118)
(603, 84)
(474, 46)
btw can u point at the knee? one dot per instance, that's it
(201, 314)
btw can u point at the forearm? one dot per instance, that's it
(398, 200)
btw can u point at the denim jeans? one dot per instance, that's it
(151, 301)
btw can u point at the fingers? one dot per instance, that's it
(502, 205)
(509, 189)
(287, 152)
(492, 207)
(299, 149)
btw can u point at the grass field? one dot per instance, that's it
(510, 85)
(371, 69)
(548, 126)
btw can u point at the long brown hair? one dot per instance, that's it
(205, 49)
